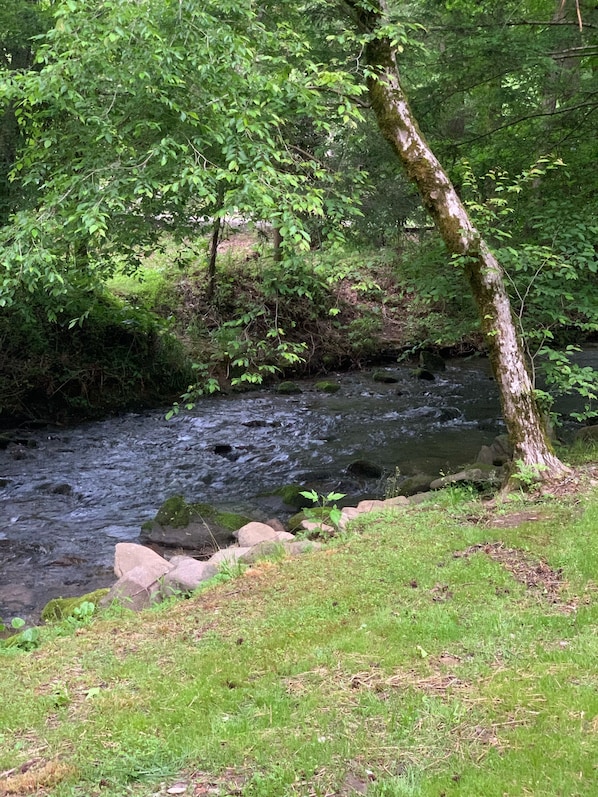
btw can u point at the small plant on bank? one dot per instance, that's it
(322, 512)
(28, 639)
(527, 476)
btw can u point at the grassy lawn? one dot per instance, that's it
(444, 650)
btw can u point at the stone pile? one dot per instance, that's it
(145, 577)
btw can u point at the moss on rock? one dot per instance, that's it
(327, 387)
(59, 608)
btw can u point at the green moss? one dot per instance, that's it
(175, 512)
(231, 521)
(317, 513)
(327, 387)
(291, 495)
(288, 388)
(59, 608)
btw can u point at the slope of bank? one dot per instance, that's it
(445, 649)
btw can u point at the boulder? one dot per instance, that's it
(385, 377)
(498, 453)
(137, 589)
(254, 533)
(423, 373)
(317, 527)
(264, 550)
(187, 574)
(398, 500)
(288, 388)
(419, 483)
(365, 469)
(348, 514)
(198, 527)
(128, 555)
(431, 361)
(301, 546)
(327, 387)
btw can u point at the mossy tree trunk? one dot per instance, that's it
(485, 274)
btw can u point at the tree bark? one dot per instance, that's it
(485, 274)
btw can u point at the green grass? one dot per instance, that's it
(384, 665)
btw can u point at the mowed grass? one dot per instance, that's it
(406, 659)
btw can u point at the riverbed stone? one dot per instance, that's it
(187, 574)
(431, 361)
(365, 469)
(327, 387)
(128, 555)
(198, 527)
(385, 377)
(288, 388)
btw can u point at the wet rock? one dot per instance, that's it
(197, 527)
(291, 496)
(431, 361)
(423, 373)
(385, 377)
(62, 489)
(497, 454)
(327, 387)
(288, 388)
(364, 469)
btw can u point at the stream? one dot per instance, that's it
(68, 495)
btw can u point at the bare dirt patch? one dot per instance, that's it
(536, 575)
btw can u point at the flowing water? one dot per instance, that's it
(70, 494)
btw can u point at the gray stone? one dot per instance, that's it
(398, 500)
(254, 533)
(364, 469)
(348, 514)
(370, 506)
(587, 434)
(129, 555)
(419, 483)
(482, 476)
(316, 525)
(188, 574)
(263, 550)
(301, 546)
(228, 555)
(137, 589)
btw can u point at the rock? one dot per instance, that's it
(228, 555)
(587, 434)
(370, 506)
(420, 498)
(431, 361)
(128, 555)
(348, 514)
(398, 500)
(136, 590)
(318, 527)
(301, 546)
(291, 496)
(386, 377)
(198, 527)
(423, 373)
(263, 550)
(499, 453)
(364, 469)
(288, 388)
(59, 608)
(254, 533)
(187, 574)
(276, 524)
(327, 387)
(62, 489)
(418, 483)
(480, 477)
